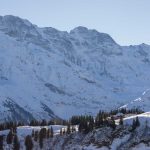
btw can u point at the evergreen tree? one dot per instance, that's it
(16, 144)
(33, 133)
(64, 131)
(121, 120)
(1, 142)
(9, 138)
(72, 129)
(34, 123)
(28, 142)
(36, 135)
(41, 139)
(113, 124)
(43, 132)
(133, 125)
(44, 122)
(42, 136)
(90, 126)
(52, 132)
(85, 127)
(61, 132)
(68, 129)
(106, 123)
(14, 129)
(80, 127)
(48, 133)
(137, 122)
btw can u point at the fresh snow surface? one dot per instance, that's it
(23, 131)
(144, 118)
(27, 130)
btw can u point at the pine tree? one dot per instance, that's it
(36, 135)
(85, 127)
(80, 127)
(90, 126)
(113, 124)
(14, 128)
(16, 144)
(28, 142)
(9, 138)
(43, 131)
(133, 125)
(52, 133)
(61, 132)
(68, 129)
(41, 139)
(121, 120)
(44, 122)
(48, 133)
(72, 129)
(64, 131)
(1, 142)
(33, 133)
(137, 122)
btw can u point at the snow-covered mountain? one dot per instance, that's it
(46, 73)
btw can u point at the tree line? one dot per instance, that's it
(86, 123)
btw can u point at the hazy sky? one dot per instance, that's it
(127, 21)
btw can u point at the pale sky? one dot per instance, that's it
(127, 21)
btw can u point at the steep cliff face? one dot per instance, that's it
(66, 73)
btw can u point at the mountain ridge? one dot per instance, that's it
(69, 73)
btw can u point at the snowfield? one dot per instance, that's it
(27, 130)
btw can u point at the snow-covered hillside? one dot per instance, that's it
(142, 103)
(46, 73)
(122, 137)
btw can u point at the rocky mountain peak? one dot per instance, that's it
(92, 35)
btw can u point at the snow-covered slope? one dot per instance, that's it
(46, 73)
(103, 138)
(144, 118)
(142, 103)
